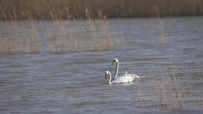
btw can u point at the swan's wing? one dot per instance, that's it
(132, 75)
(123, 79)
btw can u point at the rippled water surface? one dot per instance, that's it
(73, 82)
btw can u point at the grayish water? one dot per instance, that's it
(73, 82)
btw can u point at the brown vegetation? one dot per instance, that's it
(99, 34)
(169, 89)
(58, 36)
(66, 9)
(67, 35)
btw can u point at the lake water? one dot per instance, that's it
(164, 52)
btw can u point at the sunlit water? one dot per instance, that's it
(73, 82)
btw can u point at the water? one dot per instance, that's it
(73, 82)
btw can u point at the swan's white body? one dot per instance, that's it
(122, 79)
(126, 78)
(126, 74)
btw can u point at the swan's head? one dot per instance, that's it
(107, 74)
(115, 61)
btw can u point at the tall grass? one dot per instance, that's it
(161, 30)
(112, 8)
(15, 40)
(63, 35)
(168, 89)
(99, 35)
(73, 37)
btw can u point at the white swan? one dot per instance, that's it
(126, 74)
(119, 80)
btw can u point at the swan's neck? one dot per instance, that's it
(110, 78)
(116, 72)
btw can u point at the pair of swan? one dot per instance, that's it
(126, 78)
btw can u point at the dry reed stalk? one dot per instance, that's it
(118, 43)
(72, 34)
(1, 37)
(164, 89)
(70, 38)
(25, 40)
(48, 44)
(111, 42)
(171, 92)
(172, 97)
(32, 33)
(152, 40)
(188, 89)
(92, 29)
(56, 35)
(140, 96)
(138, 88)
(46, 39)
(162, 34)
(16, 40)
(103, 29)
(159, 91)
(155, 84)
(7, 37)
(64, 46)
(151, 91)
(1, 45)
(74, 44)
(35, 38)
(180, 101)
(197, 68)
(75, 36)
(64, 42)
(4, 38)
(161, 30)
(71, 41)
(82, 37)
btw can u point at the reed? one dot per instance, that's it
(161, 29)
(68, 35)
(112, 8)
(19, 38)
(92, 29)
(73, 37)
(139, 93)
(106, 41)
(62, 35)
(165, 89)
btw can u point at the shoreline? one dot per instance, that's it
(87, 9)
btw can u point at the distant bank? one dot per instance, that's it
(82, 9)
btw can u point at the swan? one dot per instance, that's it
(126, 74)
(119, 80)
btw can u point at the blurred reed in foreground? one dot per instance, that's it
(166, 88)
